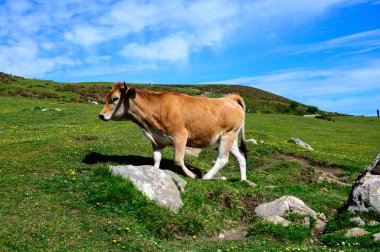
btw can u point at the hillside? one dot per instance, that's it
(257, 100)
(57, 193)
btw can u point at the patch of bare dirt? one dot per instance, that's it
(311, 163)
(324, 173)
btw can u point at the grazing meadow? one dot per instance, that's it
(57, 193)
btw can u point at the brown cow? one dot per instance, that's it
(168, 118)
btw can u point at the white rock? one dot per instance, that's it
(373, 223)
(358, 221)
(275, 219)
(250, 183)
(301, 143)
(156, 184)
(252, 141)
(356, 232)
(365, 193)
(376, 237)
(283, 205)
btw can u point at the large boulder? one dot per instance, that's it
(365, 193)
(156, 184)
(284, 205)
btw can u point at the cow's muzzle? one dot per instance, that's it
(101, 116)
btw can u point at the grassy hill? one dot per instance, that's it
(57, 193)
(257, 100)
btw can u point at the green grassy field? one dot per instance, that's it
(57, 194)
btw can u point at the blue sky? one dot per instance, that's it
(319, 52)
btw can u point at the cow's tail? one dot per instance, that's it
(243, 145)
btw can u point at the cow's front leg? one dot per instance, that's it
(157, 155)
(179, 155)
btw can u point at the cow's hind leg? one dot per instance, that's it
(157, 155)
(179, 155)
(226, 142)
(240, 158)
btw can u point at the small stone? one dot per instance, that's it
(300, 143)
(275, 219)
(373, 223)
(221, 236)
(358, 221)
(356, 232)
(252, 141)
(250, 183)
(376, 237)
(261, 142)
(323, 190)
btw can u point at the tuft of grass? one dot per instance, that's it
(339, 240)
(294, 233)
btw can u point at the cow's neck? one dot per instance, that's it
(141, 112)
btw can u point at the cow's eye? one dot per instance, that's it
(115, 99)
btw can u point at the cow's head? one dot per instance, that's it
(117, 102)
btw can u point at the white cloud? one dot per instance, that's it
(85, 35)
(368, 41)
(172, 48)
(168, 31)
(22, 59)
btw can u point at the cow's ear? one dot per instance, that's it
(131, 93)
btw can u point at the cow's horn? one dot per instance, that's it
(125, 86)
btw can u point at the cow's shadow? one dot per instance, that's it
(166, 164)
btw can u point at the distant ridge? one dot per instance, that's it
(257, 100)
